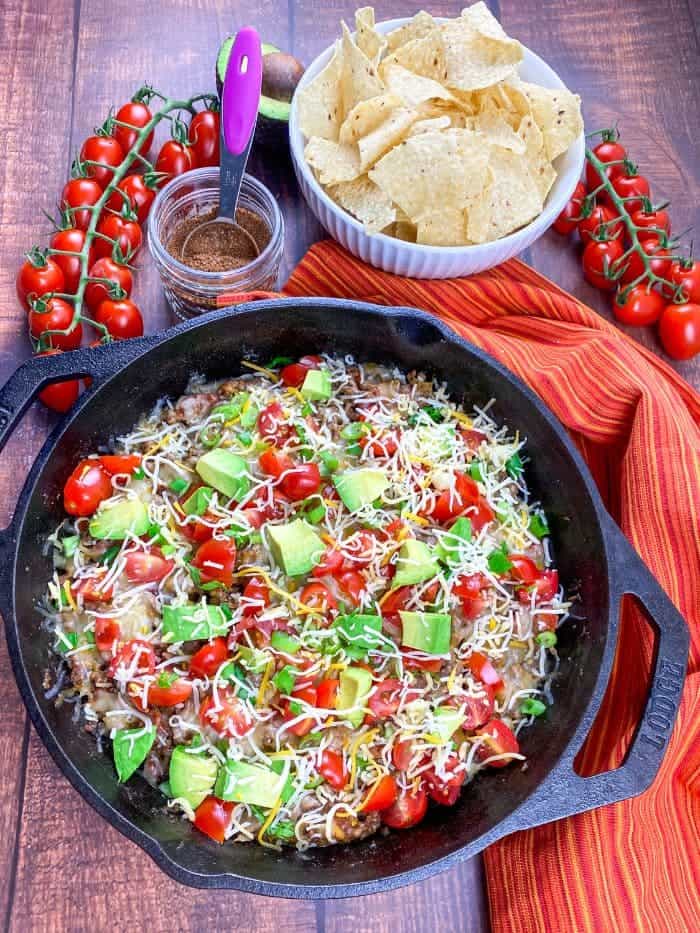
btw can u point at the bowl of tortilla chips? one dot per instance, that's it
(434, 148)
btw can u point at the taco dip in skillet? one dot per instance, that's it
(297, 596)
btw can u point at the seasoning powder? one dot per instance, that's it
(221, 247)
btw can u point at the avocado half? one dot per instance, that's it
(281, 74)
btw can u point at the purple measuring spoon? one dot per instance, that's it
(240, 98)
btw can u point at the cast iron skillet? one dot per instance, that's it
(127, 380)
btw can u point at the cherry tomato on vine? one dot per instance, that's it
(59, 396)
(174, 159)
(659, 260)
(80, 192)
(655, 218)
(121, 318)
(71, 240)
(679, 330)
(590, 227)
(138, 194)
(642, 306)
(607, 151)
(598, 259)
(106, 268)
(137, 115)
(33, 280)
(686, 273)
(204, 137)
(105, 150)
(631, 186)
(127, 233)
(58, 315)
(568, 220)
(85, 488)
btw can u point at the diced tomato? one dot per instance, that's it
(545, 584)
(415, 661)
(430, 593)
(381, 796)
(408, 809)
(327, 693)
(274, 463)
(147, 566)
(303, 481)
(120, 463)
(453, 502)
(255, 596)
(212, 817)
(90, 590)
(472, 439)
(362, 546)
(385, 698)
(85, 488)
(293, 375)
(107, 633)
(483, 670)
(468, 589)
(136, 654)
(500, 740)
(169, 690)
(384, 444)
(207, 661)
(395, 601)
(352, 584)
(271, 423)
(480, 514)
(477, 710)
(445, 790)
(402, 754)
(332, 768)
(307, 695)
(331, 563)
(524, 569)
(318, 596)
(228, 717)
(215, 560)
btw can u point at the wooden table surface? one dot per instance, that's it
(63, 64)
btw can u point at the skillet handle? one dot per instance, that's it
(563, 792)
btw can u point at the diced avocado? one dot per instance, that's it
(192, 775)
(426, 631)
(317, 385)
(359, 631)
(115, 520)
(281, 641)
(447, 721)
(225, 471)
(448, 549)
(355, 685)
(358, 488)
(416, 563)
(193, 623)
(198, 502)
(243, 783)
(295, 547)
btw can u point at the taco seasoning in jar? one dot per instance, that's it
(221, 260)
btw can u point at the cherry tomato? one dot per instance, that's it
(655, 218)
(307, 695)
(120, 463)
(107, 268)
(331, 563)
(632, 187)
(303, 481)
(255, 597)
(402, 754)
(107, 633)
(384, 444)
(147, 566)
(477, 710)
(598, 259)
(408, 809)
(137, 193)
(34, 281)
(204, 137)
(215, 559)
(212, 817)
(198, 531)
(318, 596)
(294, 374)
(92, 590)
(169, 690)
(106, 151)
(85, 488)
(122, 232)
(228, 716)
(607, 151)
(352, 584)
(137, 115)
(546, 585)
(524, 569)
(452, 503)
(500, 740)
(483, 670)
(121, 318)
(480, 514)
(80, 192)
(642, 305)
(686, 274)
(327, 693)
(271, 421)
(385, 699)
(590, 227)
(660, 261)
(59, 396)
(174, 159)
(362, 545)
(445, 790)
(395, 601)
(57, 316)
(332, 768)
(568, 220)
(421, 662)
(468, 589)
(274, 463)
(71, 240)
(135, 657)
(679, 330)
(381, 796)
(207, 661)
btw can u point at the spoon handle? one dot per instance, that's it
(239, 113)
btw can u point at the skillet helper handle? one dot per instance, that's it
(564, 793)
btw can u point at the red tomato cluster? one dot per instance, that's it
(612, 264)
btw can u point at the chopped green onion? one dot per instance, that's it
(355, 430)
(316, 515)
(538, 525)
(245, 438)
(167, 549)
(210, 436)
(249, 416)
(301, 431)
(66, 641)
(179, 485)
(110, 554)
(295, 708)
(307, 409)
(228, 411)
(514, 466)
(139, 473)
(434, 413)
(166, 679)
(329, 461)
(211, 585)
(284, 679)
(278, 361)
(353, 450)
(282, 829)
(532, 707)
(70, 545)
(233, 673)
(306, 453)
(89, 637)
(547, 639)
(475, 471)
(498, 560)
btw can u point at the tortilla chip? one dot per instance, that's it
(365, 201)
(513, 198)
(539, 165)
(413, 89)
(558, 114)
(478, 213)
(432, 169)
(387, 135)
(475, 57)
(448, 227)
(421, 24)
(319, 104)
(332, 161)
(430, 125)
(359, 78)
(482, 20)
(423, 56)
(371, 42)
(497, 131)
(366, 116)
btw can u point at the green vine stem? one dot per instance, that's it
(145, 94)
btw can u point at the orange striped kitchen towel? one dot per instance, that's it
(631, 865)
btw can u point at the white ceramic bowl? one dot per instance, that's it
(433, 262)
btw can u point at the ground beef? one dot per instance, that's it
(191, 408)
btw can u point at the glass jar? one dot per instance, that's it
(192, 291)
